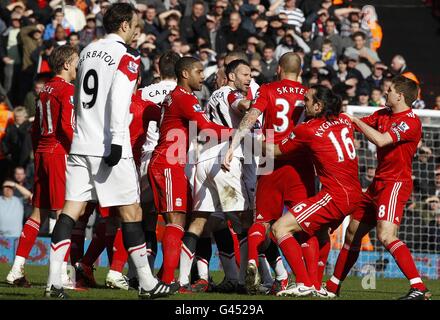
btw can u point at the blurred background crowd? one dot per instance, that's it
(339, 42)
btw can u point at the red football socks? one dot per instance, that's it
(171, 247)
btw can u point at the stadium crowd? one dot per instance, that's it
(338, 45)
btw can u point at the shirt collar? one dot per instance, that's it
(114, 36)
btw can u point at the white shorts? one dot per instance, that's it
(146, 192)
(217, 190)
(89, 178)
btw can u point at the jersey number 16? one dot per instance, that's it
(347, 142)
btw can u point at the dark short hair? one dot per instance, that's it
(408, 87)
(184, 63)
(358, 34)
(60, 56)
(167, 63)
(116, 15)
(233, 65)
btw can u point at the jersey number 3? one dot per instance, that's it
(90, 87)
(282, 114)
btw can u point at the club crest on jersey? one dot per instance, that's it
(403, 127)
(178, 202)
(198, 108)
(132, 67)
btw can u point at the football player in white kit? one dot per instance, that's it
(100, 165)
(214, 189)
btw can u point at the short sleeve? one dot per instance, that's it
(129, 66)
(406, 130)
(234, 99)
(261, 99)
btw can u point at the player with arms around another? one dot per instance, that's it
(396, 131)
(166, 172)
(51, 137)
(100, 165)
(328, 138)
(282, 105)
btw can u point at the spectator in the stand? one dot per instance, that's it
(174, 5)
(346, 16)
(211, 31)
(367, 57)
(306, 35)
(331, 34)
(256, 73)
(158, 4)
(40, 56)
(73, 40)
(151, 22)
(31, 39)
(363, 97)
(90, 32)
(424, 172)
(30, 100)
(437, 181)
(17, 143)
(12, 59)
(252, 48)
(375, 80)
(11, 211)
(376, 98)
(169, 23)
(436, 106)
(21, 180)
(6, 119)
(233, 37)
(342, 72)
(269, 64)
(326, 57)
(369, 21)
(74, 15)
(220, 9)
(60, 36)
(191, 26)
(58, 19)
(367, 178)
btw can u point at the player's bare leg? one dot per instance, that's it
(172, 244)
(16, 275)
(189, 243)
(387, 235)
(347, 256)
(283, 230)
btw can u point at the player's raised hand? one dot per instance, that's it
(115, 155)
(226, 165)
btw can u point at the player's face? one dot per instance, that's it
(242, 78)
(392, 96)
(72, 65)
(312, 108)
(132, 29)
(196, 77)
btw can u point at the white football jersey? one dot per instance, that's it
(222, 109)
(156, 93)
(107, 74)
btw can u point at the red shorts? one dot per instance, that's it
(170, 187)
(49, 181)
(286, 185)
(383, 200)
(318, 212)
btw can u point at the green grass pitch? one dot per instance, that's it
(386, 289)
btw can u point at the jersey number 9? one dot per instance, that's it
(90, 89)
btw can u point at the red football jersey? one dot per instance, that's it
(282, 103)
(395, 160)
(52, 129)
(178, 109)
(142, 112)
(330, 144)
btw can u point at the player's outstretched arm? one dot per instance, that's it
(244, 128)
(376, 137)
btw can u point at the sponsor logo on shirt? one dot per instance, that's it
(403, 127)
(132, 67)
(197, 108)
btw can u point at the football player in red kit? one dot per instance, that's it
(396, 131)
(282, 105)
(328, 138)
(170, 186)
(51, 137)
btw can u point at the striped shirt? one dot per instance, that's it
(295, 17)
